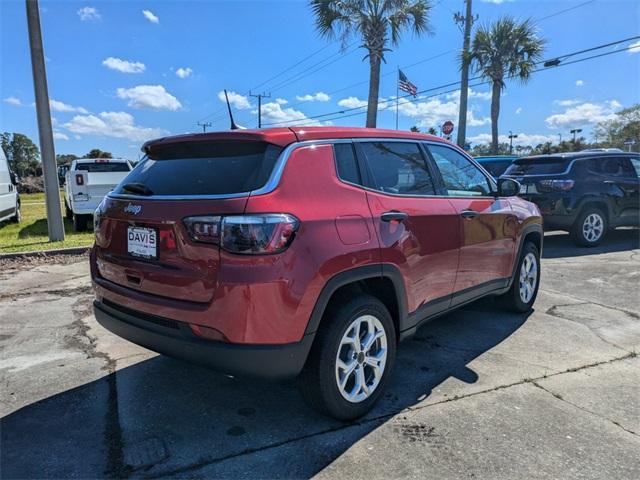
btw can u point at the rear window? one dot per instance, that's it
(103, 167)
(495, 167)
(537, 166)
(205, 168)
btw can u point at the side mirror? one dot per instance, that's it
(12, 177)
(508, 187)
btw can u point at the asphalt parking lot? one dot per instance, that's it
(479, 393)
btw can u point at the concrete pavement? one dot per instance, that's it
(478, 393)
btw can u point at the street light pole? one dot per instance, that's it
(511, 137)
(574, 132)
(45, 131)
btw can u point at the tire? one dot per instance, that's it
(17, 218)
(79, 223)
(520, 298)
(320, 377)
(590, 227)
(67, 212)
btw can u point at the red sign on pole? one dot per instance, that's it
(447, 127)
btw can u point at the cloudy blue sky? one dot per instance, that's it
(123, 72)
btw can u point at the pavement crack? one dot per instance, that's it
(554, 312)
(378, 419)
(562, 399)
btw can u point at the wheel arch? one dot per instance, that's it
(384, 281)
(531, 233)
(599, 203)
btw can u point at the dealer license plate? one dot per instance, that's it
(142, 242)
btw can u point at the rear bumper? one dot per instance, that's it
(175, 339)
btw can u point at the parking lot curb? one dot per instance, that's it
(46, 253)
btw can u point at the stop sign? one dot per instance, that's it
(447, 127)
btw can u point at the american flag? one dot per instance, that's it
(405, 84)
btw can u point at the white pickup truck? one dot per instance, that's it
(87, 182)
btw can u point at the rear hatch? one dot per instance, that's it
(142, 239)
(534, 173)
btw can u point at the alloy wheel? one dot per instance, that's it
(593, 227)
(528, 277)
(361, 358)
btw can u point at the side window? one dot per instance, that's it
(346, 164)
(610, 167)
(398, 167)
(460, 176)
(636, 165)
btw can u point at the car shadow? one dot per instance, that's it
(162, 417)
(559, 244)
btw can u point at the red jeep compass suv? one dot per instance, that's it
(306, 250)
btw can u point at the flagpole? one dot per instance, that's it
(397, 94)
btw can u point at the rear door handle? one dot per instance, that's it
(469, 213)
(391, 216)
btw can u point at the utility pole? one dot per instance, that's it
(55, 225)
(260, 96)
(204, 126)
(511, 137)
(574, 132)
(559, 139)
(467, 19)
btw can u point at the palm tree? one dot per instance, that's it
(378, 23)
(505, 49)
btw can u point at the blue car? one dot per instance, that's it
(497, 164)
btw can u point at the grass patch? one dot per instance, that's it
(31, 235)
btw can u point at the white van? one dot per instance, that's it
(9, 198)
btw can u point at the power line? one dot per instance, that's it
(542, 62)
(311, 55)
(340, 53)
(564, 11)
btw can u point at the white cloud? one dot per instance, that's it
(433, 112)
(58, 106)
(148, 14)
(13, 101)
(518, 110)
(88, 14)
(523, 139)
(154, 97)
(585, 113)
(472, 94)
(124, 66)
(184, 72)
(496, 2)
(567, 103)
(579, 83)
(281, 101)
(59, 136)
(634, 47)
(352, 102)
(274, 113)
(111, 124)
(236, 100)
(313, 97)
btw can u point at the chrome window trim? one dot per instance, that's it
(276, 174)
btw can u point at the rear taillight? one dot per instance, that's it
(204, 228)
(555, 185)
(79, 179)
(245, 234)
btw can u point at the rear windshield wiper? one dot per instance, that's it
(138, 188)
